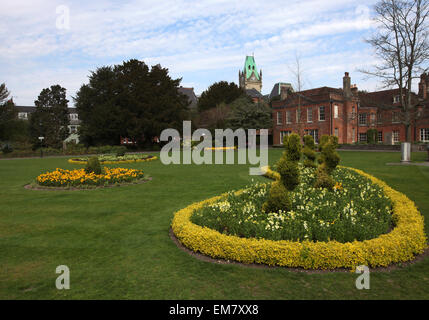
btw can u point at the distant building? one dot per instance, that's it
(24, 113)
(349, 114)
(280, 90)
(249, 78)
(192, 98)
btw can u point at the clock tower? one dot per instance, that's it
(249, 78)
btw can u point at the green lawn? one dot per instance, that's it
(115, 241)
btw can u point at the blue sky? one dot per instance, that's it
(200, 41)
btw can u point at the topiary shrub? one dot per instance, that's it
(289, 173)
(329, 160)
(323, 179)
(278, 199)
(292, 144)
(287, 166)
(308, 151)
(93, 165)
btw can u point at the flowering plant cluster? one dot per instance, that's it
(79, 177)
(401, 244)
(113, 159)
(356, 209)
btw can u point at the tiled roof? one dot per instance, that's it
(192, 98)
(253, 93)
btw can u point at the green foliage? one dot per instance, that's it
(289, 173)
(249, 115)
(278, 199)
(323, 179)
(329, 160)
(93, 165)
(50, 120)
(129, 100)
(218, 93)
(9, 125)
(371, 136)
(326, 138)
(6, 148)
(292, 144)
(308, 151)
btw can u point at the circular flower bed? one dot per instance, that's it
(113, 159)
(323, 231)
(81, 178)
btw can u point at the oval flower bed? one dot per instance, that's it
(113, 159)
(80, 178)
(323, 231)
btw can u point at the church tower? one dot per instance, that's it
(249, 78)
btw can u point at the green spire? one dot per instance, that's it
(250, 67)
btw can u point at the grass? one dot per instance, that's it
(115, 240)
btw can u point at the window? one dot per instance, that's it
(297, 116)
(314, 133)
(22, 115)
(396, 136)
(362, 119)
(380, 136)
(284, 134)
(395, 117)
(288, 117)
(322, 113)
(310, 114)
(424, 135)
(353, 135)
(362, 137)
(396, 99)
(379, 117)
(336, 112)
(372, 118)
(73, 116)
(279, 118)
(336, 132)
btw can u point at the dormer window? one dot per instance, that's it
(396, 99)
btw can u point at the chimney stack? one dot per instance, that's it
(283, 93)
(424, 86)
(347, 85)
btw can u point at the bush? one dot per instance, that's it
(7, 148)
(325, 139)
(93, 165)
(323, 179)
(289, 173)
(308, 152)
(292, 144)
(278, 199)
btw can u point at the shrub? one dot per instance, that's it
(292, 144)
(289, 173)
(93, 165)
(330, 157)
(7, 148)
(278, 199)
(323, 179)
(325, 139)
(308, 152)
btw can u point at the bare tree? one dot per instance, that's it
(401, 44)
(298, 75)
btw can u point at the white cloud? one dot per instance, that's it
(189, 37)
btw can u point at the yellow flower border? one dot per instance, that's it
(406, 240)
(114, 162)
(221, 148)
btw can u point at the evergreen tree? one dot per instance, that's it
(129, 100)
(50, 119)
(217, 93)
(249, 115)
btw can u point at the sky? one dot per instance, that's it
(48, 42)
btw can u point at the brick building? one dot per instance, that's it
(349, 114)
